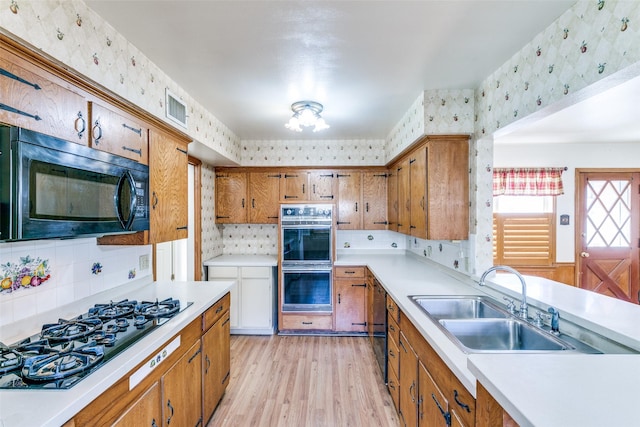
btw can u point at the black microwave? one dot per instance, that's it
(51, 188)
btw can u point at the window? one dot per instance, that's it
(524, 215)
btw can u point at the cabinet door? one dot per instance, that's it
(294, 186)
(448, 188)
(182, 390)
(119, 133)
(433, 408)
(256, 306)
(418, 183)
(408, 382)
(215, 364)
(404, 194)
(349, 201)
(144, 412)
(350, 313)
(392, 200)
(322, 186)
(231, 198)
(264, 197)
(168, 170)
(374, 199)
(32, 98)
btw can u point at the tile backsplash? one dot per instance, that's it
(78, 268)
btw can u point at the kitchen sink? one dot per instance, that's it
(478, 324)
(463, 307)
(501, 335)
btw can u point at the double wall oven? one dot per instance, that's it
(306, 257)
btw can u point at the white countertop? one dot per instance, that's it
(28, 408)
(242, 261)
(567, 389)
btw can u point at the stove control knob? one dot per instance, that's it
(288, 212)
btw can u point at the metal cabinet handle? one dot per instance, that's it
(206, 358)
(80, 119)
(411, 390)
(462, 405)
(97, 129)
(445, 415)
(154, 196)
(153, 423)
(171, 411)
(338, 298)
(132, 129)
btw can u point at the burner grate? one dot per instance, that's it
(69, 330)
(62, 364)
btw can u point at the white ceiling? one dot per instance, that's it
(366, 61)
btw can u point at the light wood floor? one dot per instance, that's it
(304, 381)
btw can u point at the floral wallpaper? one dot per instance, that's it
(591, 42)
(69, 31)
(325, 152)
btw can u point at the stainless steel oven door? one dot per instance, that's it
(307, 288)
(306, 243)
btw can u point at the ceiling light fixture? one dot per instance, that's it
(307, 114)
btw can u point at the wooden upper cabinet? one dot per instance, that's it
(322, 186)
(374, 200)
(119, 133)
(448, 188)
(404, 194)
(418, 193)
(433, 189)
(231, 197)
(264, 201)
(294, 186)
(392, 200)
(349, 200)
(35, 99)
(168, 170)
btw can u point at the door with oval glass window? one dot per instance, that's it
(608, 209)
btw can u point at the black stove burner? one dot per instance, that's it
(66, 352)
(154, 310)
(57, 365)
(69, 330)
(113, 310)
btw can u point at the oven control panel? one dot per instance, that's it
(306, 213)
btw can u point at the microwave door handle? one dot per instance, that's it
(126, 179)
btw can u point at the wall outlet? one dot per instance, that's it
(143, 262)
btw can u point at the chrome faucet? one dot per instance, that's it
(555, 320)
(524, 307)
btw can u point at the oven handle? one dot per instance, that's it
(306, 268)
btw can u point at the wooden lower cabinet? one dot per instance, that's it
(408, 382)
(320, 322)
(429, 394)
(216, 360)
(350, 299)
(181, 390)
(432, 405)
(146, 411)
(174, 391)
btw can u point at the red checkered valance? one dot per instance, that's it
(527, 181)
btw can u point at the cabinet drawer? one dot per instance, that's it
(346, 272)
(394, 389)
(393, 330)
(215, 312)
(223, 272)
(297, 321)
(120, 134)
(393, 312)
(256, 272)
(462, 402)
(393, 357)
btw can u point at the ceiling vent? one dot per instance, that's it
(176, 109)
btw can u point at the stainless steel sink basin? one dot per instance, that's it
(478, 324)
(501, 335)
(462, 307)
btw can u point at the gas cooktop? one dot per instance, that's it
(63, 353)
